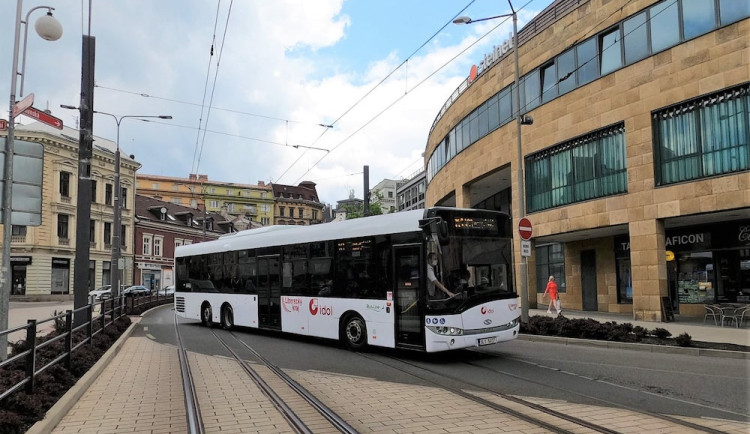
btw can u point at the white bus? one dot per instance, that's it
(363, 281)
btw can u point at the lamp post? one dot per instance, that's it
(50, 29)
(520, 120)
(117, 230)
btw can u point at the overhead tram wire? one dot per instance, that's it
(216, 76)
(380, 83)
(412, 89)
(193, 169)
(239, 136)
(145, 95)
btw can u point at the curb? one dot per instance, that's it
(66, 402)
(639, 347)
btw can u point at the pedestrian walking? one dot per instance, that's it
(554, 299)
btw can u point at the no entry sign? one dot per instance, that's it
(524, 228)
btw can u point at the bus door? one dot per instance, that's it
(269, 292)
(408, 308)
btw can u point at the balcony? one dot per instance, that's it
(62, 241)
(18, 239)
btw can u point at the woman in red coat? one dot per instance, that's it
(552, 291)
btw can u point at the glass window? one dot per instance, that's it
(531, 91)
(459, 137)
(505, 106)
(452, 143)
(549, 82)
(611, 51)
(92, 231)
(698, 17)
(566, 65)
(624, 281)
(484, 121)
(550, 262)
(62, 225)
(107, 233)
(586, 167)
(108, 194)
(147, 245)
(703, 137)
(465, 132)
(588, 61)
(93, 191)
(157, 246)
(64, 184)
(493, 113)
(665, 26)
(733, 10)
(473, 127)
(695, 277)
(636, 38)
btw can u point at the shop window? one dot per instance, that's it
(695, 277)
(636, 38)
(664, 26)
(698, 17)
(550, 261)
(703, 137)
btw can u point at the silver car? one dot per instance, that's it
(101, 293)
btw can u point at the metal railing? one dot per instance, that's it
(73, 337)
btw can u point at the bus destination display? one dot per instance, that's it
(471, 224)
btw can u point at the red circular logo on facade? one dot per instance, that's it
(473, 73)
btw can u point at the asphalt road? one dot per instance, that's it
(660, 383)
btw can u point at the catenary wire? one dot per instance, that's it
(216, 76)
(403, 96)
(193, 169)
(356, 103)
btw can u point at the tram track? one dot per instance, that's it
(302, 411)
(529, 411)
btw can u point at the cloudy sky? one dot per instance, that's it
(377, 70)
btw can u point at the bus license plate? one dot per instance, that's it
(488, 341)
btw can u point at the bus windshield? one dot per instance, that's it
(476, 269)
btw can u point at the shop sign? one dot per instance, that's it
(60, 262)
(490, 58)
(20, 260)
(670, 256)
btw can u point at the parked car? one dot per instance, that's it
(101, 293)
(137, 290)
(168, 290)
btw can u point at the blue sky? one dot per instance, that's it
(286, 66)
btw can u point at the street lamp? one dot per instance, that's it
(50, 29)
(520, 120)
(116, 242)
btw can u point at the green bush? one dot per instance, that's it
(684, 340)
(661, 333)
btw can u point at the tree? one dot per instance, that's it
(353, 212)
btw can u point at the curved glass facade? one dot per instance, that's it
(654, 29)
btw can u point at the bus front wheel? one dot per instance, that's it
(355, 332)
(227, 318)
(206, 315)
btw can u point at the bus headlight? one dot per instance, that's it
(447, 331)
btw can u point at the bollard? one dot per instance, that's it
(31, 357)
(68, 338)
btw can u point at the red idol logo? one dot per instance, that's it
(324, 310)
(486, 310)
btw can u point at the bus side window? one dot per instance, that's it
(321, 278)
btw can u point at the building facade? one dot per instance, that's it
(43, 257)
(250, 202)
(385, 193)
(411, 193)
(297, 205)
(160, 228)
(636, 169)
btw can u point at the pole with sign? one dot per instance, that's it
(525, 231)
(43, 117)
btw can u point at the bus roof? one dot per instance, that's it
(400, 222)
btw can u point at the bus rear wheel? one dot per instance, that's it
(206, 315)
(227, 318)
(354, 333)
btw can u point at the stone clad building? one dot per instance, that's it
(636, 169)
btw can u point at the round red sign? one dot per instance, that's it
(524, 228)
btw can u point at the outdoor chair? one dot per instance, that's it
(729, 313)
(712, 312)
(742, 315)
